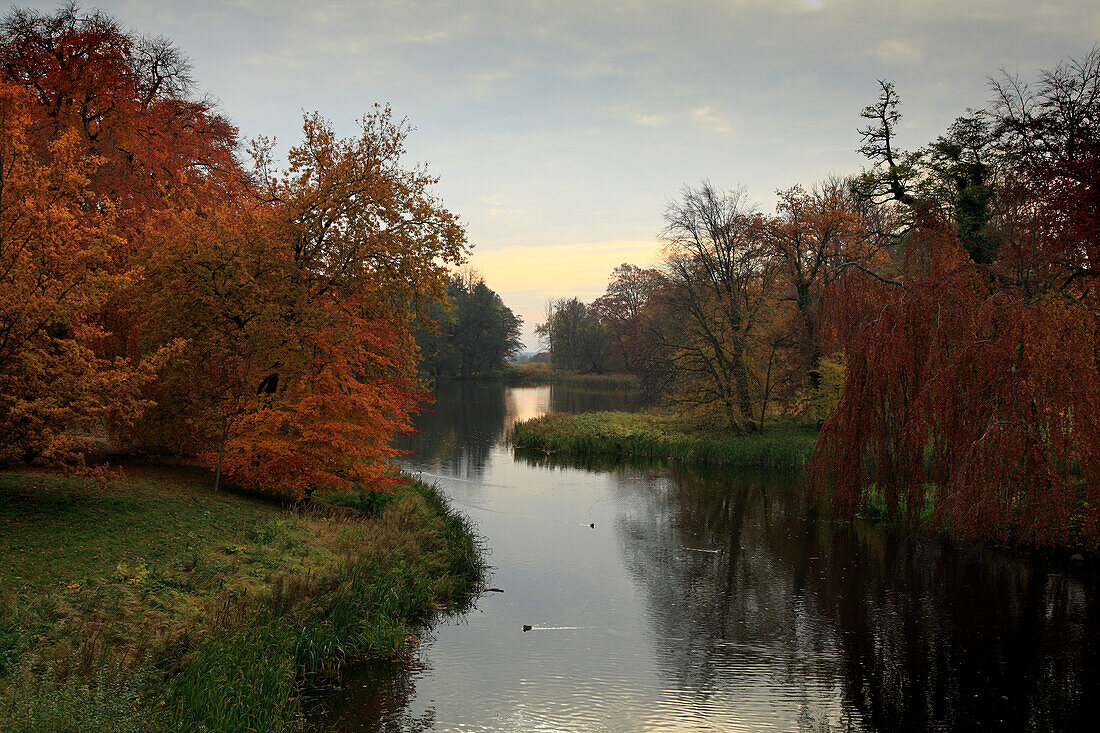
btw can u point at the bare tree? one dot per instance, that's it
(892, 173)
(717, 270)
(1058, 120)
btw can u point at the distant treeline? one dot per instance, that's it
(471, 333)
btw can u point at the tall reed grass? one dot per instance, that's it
(520, 375)
(250, 678)
(663, 437)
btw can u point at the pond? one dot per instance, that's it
(663, 598)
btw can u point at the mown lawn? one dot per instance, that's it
(59, 529)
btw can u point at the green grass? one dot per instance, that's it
(659, 436)
(875, 505)
(152, 603)
(59, 529)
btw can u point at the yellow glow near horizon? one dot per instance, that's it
(560, 269)
(527, 277)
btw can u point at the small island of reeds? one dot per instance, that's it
(655, 435)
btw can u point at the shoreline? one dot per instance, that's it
(516, 376)
(569, 439)
(151, 602)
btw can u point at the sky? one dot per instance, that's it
(561, 130)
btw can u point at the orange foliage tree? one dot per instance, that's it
(816, 236)
(300, 364)
(54, 271)
(98, 133)
(622, 308)
(259, 319)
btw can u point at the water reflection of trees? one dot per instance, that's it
(574, 400)
(375, 697)
(861, 626)
(461, 427)
(937, 637)
(468, 419)
(598, 463)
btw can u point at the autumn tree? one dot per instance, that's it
(717, 274)
(1053, 131)
(972, 384)
(127, 99)
(129, 103)
(274, 307)
(54, 272)
(815, 236)
(302, 302)
(100, 132)
(219, 282)
(622, 311)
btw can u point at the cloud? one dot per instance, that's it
(898, 50)
(427, 37)
(488, 83)
(705, 117)
(575, 121)
(496, 205)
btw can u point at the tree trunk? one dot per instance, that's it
(767, 389)
(810, 348)
(741, 383)
(221, 455)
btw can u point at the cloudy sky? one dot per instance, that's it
(561, 129)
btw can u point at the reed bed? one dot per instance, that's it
(659, 436)
(519, 375)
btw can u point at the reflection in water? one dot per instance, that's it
(934, 636)
(914, 633)
(706, 600)
(376, 699)
(727, 615)
(469, 418)
(595, 463)
(454, 435)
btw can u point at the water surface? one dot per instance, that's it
(707, 600)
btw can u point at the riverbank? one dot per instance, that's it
(662, 436)
(153, 603)
(518, 376)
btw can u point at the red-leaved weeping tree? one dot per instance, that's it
(972, 394)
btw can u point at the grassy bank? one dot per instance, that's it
(152, 603)
(663, 436)
(525, 375)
